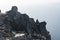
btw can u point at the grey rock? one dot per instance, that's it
(17, 22)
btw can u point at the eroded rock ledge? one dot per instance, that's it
(13, 24)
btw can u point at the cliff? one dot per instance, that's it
(13, 22)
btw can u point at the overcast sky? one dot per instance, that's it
(44, 10)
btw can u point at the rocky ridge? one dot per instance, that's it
(13, 22)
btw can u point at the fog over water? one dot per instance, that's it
(44, 10)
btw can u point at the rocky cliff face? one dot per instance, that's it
(14, 21)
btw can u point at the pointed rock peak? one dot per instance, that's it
(0, 11)
(37, 21)
(14, 8)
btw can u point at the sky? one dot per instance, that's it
(43, 10)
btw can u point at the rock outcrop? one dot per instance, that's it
(14, 21)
